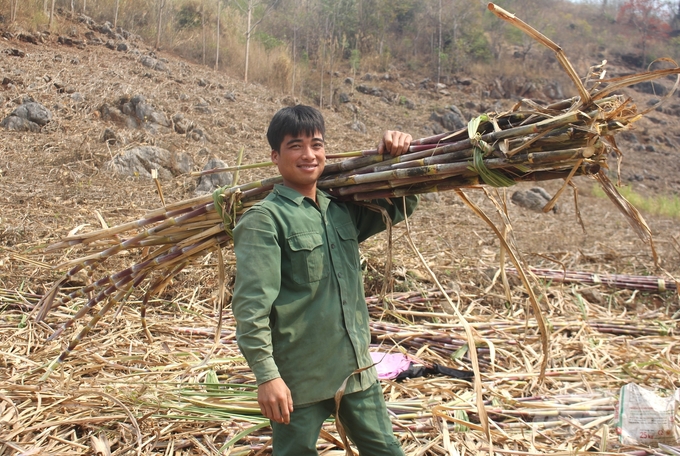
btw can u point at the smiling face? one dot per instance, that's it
(301, 160)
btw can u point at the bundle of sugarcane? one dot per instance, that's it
(627, 281)
(531, 142)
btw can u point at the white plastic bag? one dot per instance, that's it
(646, 418)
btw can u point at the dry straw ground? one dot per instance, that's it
(120, 393)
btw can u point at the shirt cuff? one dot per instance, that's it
(265, 370)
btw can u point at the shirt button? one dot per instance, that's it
(332, 246)
(340, 274)
(344, 303)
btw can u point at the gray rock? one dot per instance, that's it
(112, 113)
(197, 134)
(34, 112)
(77, 97)
(432, 197)
(349, 81)
(409, 104)
(343, 97)
(122, 47)
(182, 125)
(138, 99)
(450, 119)
(143, 111)
(203, 107)
(533, 199)
(15, 123)
(139, 161)
(154, 64)
(161, 66)
(109, 136)
(210, 182)
(358, 126)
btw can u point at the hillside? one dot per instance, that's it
(58, 179)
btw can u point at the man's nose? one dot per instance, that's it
(307, 152)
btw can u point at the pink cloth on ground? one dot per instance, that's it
(389, 365)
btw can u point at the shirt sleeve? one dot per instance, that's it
(370, 222)
(258, 280)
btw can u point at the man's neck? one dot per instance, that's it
(309, 192)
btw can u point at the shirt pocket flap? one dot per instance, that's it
(304, 241)
(347, 232)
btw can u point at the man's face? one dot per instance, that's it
(301, 160)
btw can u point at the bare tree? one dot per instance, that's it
(217, 54)
(252, 4)
(115, 15)
(13, 5)
(161, 5)
(203, 27)
(49, 24)
(439, 46)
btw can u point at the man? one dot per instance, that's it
(302, 320)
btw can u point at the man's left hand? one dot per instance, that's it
(395, 143)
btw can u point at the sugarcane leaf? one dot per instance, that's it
(242, 434)
(212, 381)
(473, 125)
(458, 354)
(462, 416)
(490, 177)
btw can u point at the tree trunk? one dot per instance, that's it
(217, 39)
(292, 86)
(203, 27)
(84, 6)
(161, 5)
(13, 4)
(439, 47)
(323, 59)
(45, 10)
(115, 15)
(250, 14)
(49, 24)
(73, 9)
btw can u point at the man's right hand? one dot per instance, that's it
(275, 400)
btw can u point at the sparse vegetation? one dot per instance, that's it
(440, 39)
(664, 205)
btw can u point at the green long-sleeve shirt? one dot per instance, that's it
(299, 296)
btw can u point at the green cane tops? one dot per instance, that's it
(299, 295)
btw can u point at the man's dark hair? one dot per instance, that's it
(294, 121)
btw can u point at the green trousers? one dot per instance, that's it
(363, 415)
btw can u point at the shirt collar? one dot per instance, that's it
(322, 198)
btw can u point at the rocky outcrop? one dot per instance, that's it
(533, 199)
(134, 113)
(30, 116)
(208, 183)
(141, 161)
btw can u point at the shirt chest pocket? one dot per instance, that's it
(307, 257)
(349, 244)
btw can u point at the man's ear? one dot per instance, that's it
(275, 157)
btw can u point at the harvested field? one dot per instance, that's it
(181, 393)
